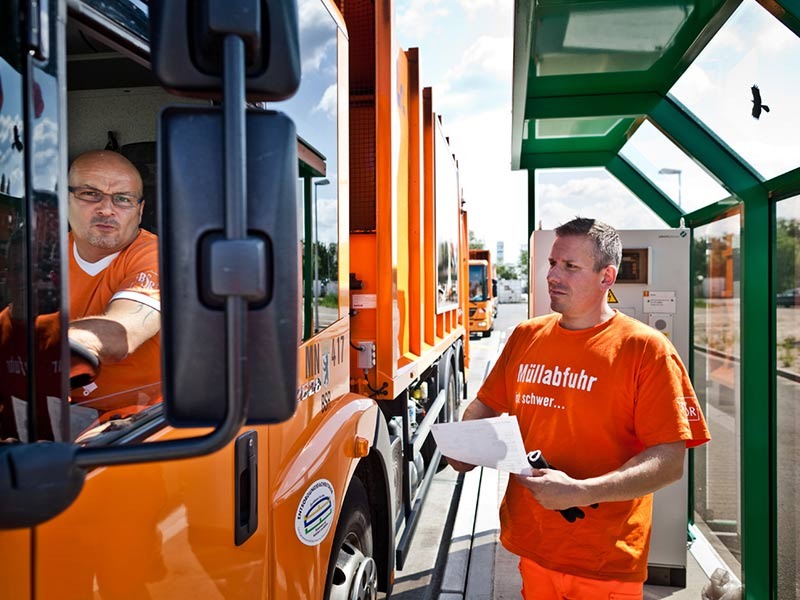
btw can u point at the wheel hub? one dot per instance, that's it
(356, 575)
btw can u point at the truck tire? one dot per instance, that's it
(352, 572)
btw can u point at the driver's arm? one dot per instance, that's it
(124, 327)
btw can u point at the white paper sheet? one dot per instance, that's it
(494, 443)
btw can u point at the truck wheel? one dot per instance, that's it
(352, 572)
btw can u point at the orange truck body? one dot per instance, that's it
(395, 351)
(482, 292)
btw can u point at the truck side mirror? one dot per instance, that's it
(187, 39)
(198, 267)
(228, 212)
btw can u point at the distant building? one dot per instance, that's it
(510, 291)
(500, 250)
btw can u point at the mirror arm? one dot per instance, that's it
(234, 104)
(235, 144)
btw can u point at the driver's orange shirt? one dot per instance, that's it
(132, 274)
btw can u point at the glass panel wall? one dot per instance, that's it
(563, 194)
(787, 324)
(715, 373)
(743, 87)
(670, 169)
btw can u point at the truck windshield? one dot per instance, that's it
(477, 283)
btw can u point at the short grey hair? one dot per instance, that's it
(607, 245)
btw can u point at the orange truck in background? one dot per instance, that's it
(291, 454)
(482, 292)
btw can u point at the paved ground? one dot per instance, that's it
(421, 576)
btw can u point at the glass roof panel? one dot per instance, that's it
(670, 169)
(606, 37)
(571, 128)
(563, 194)
(752, 48)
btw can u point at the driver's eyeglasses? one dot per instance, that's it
(95, 196)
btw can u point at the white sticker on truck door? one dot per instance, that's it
(314, 516)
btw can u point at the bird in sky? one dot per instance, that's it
(17, 143)
(757, 106)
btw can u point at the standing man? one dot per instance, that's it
(115, 302)
(609, 403)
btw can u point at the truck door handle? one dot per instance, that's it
(246, 485)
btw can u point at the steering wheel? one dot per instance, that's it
(84, 365)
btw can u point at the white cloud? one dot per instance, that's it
(327, 104)
(472, 7)
(486, 61)
(45, 168)
(466, 57)
(46, 133)
(318, 43)
(564, 194)
(496, 196)
(7, 123)
(417, 18)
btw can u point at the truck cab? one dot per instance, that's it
(483, 297)
(352, 336)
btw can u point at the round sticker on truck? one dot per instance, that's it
(314, 516)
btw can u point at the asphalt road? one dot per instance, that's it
(420, 578)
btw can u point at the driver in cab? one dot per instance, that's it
(114, 303)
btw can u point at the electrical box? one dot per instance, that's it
(653, 287)
(366, 355)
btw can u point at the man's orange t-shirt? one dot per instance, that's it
(15, 371)
(132, 274)
(590, 400)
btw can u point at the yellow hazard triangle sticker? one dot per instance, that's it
(612, 299)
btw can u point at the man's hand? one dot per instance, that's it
(459, 466)
(648, 471)
(554, 489)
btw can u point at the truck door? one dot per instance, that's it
(32, 387)
(165, 529)
(15, 567)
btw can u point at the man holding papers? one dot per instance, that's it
(609, 403)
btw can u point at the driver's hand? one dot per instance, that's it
(84, 365)
(459, 466)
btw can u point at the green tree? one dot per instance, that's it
(522, 264)
(787, 246)
(507, 272)
(699, 263)
(474, 242)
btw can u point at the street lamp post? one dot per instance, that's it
(318, 287)
(668, 171)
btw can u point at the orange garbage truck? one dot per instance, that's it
(482, 292)
(312, 277)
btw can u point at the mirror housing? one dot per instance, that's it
(198, 266)
(187, 35)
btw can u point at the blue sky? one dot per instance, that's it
(466, 56)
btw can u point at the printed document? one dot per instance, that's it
(495, 443)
